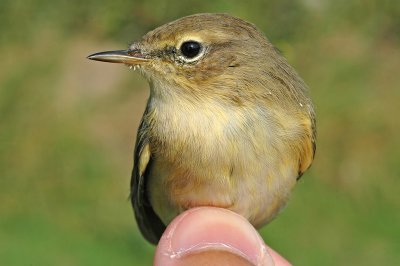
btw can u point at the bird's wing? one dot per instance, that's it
(149, 223)
(309, 147)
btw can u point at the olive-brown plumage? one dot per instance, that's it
(228, 123)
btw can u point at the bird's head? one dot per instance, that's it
(198, 53)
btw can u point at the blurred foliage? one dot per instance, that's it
(67, 128)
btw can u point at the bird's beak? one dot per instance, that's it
(129, 57)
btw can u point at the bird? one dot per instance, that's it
(228, 122)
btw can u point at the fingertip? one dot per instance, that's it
(277, 258)
(211, 234)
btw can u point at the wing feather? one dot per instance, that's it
(149, 223)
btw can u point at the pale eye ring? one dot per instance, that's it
(191, 50)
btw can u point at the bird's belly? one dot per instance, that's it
(257, 194)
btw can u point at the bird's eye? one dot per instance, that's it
(191, 49)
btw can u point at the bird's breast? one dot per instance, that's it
(212, 155)
(195, 138)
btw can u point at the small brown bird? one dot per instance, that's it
(228, 123)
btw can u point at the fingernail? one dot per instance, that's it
(208, 232)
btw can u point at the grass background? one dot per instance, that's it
(67, 128)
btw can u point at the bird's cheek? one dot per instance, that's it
(162, 68)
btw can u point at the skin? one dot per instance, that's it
(232, 127)
(203, 236)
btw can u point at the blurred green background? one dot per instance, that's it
(67, 128)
